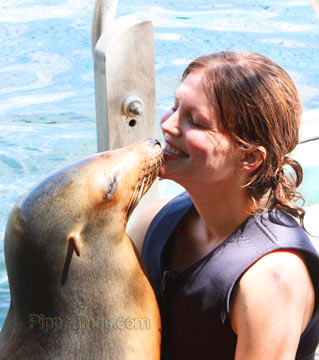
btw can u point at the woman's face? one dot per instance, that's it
(197, 150)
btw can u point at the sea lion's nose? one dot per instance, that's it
(154, 142)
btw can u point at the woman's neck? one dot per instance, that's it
(221, 208)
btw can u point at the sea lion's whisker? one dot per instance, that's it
(133, 202)
(147, 182)
(146, 178)
(141, 192)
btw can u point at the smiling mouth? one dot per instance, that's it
(169, 149)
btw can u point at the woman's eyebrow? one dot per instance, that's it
(189, 106)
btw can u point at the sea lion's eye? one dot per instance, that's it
(110, 187)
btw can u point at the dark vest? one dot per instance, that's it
(195, 302)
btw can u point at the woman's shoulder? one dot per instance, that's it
(282, 269)
(274, 296)
(138, 228)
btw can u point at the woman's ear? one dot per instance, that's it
(251, 159)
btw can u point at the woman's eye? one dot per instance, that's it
(193, 123)
(174, 108)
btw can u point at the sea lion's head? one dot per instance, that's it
(76, 210)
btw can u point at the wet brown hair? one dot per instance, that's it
(258, 105)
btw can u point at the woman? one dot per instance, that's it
(235, 276)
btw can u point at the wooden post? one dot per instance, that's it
(124, 72)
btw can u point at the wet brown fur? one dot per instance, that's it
(68, 257)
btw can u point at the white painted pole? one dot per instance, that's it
(124, 73)
(125, 83)
(103, 15)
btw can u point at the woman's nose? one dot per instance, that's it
(170, 123)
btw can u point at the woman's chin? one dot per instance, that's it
(165, 172)
(162, 172)
(168, 174)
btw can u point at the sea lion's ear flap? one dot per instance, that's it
(75, 241)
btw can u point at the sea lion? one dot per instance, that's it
(77, 288)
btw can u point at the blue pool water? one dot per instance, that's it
(47, 115)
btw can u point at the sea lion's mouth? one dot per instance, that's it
(149, 173)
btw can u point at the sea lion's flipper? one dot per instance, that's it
(74, 244)
(75, 240)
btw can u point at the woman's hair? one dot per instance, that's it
(258, 105)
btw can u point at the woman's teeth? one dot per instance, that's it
(173, 151)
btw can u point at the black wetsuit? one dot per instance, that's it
(195, 302)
